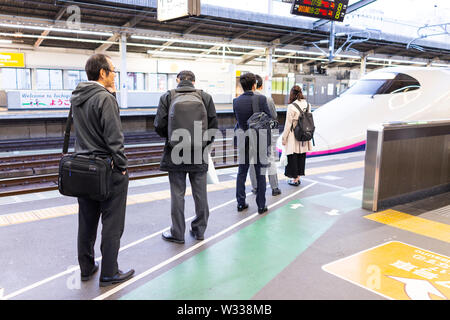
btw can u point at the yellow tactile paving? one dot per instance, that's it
(47, 213)
(400, 220)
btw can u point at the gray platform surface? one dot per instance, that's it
(244, 255)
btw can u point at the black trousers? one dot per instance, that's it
(112, 213)
(260, 182)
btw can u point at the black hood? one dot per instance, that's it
(83, 92)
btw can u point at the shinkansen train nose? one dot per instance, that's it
(320, 145)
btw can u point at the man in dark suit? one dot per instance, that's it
(243, 110)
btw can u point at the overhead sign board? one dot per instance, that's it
(396, 270)
(10, 59)
(323, 9)
(175, 9)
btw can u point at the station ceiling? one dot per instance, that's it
(240, 40)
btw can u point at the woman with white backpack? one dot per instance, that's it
(295, 150)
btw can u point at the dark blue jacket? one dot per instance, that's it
(242, 108)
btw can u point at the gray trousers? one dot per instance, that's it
(273, 178)
(177, 181)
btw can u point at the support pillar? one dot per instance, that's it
(362, 70)
(331, 42)
(123, 72)
(269, 71)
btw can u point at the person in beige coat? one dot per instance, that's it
(295, 150)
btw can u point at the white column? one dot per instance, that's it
(123, 72)
(363, 66)
(269, 71)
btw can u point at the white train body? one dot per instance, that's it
(385, 95)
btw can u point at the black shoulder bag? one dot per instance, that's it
(83, 176)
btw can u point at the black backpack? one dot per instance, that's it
(304, 131)
(186, 111)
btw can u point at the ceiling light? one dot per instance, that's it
(55, 38)
(182, 54)
(97, 33)
(397, 61)
(197, 42)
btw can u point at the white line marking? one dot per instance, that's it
(198, 245)
(70, 270)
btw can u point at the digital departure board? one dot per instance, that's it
(323, 9)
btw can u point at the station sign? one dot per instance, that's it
(28, 99)
(333, 10)
(12, 60)
(174, 9)
(396, 270)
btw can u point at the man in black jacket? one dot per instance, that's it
(99, 132)
(197, 167)
(243, 110)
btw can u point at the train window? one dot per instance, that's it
(402, 83)
(383, 83)
(368, 86)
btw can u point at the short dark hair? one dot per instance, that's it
(94, 64)
(247, 81)
(186, 75)
(296, 93)
(259, 81)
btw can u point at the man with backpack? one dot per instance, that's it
(183, 117)
(248, 107)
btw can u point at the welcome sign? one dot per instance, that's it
(27, 99)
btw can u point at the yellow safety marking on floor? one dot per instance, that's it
(425, 227)
(47, 213)
(397, 270)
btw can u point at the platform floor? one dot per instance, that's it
(315, 242)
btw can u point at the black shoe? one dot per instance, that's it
(254, 191)
(86, 277)
(166, 235)
(196, 236)
(276, 192)
(117, 278)
(295, 184)
(242, 207)
(262, 210)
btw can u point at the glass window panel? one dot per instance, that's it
(42, 79)
(9, 78)
(71, 79)
(83, 76)
(140, 81)
(56, 81)
(153, 82)
(24, 79)
(117, 81)
(131, 80)
(366, 87)
(172, 81)
(162, 82)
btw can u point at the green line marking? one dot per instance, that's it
(243, 263)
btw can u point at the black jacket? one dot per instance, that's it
(97, 123)
(161, 127)
(243, 110)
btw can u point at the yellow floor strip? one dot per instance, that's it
(400, 220)
(47, 213)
